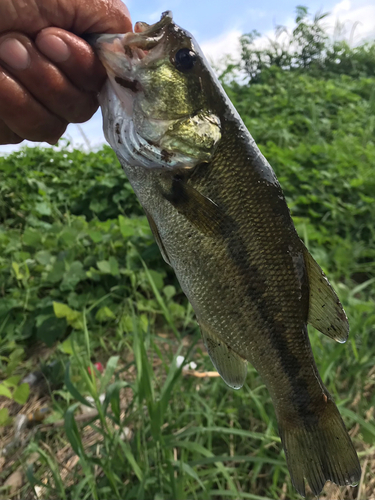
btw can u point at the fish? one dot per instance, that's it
(220, 219)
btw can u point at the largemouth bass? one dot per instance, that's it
(221, 221)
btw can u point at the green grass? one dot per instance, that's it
(191, 438)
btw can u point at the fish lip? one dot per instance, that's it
(165, 20)
(145, 40)
(120, 53)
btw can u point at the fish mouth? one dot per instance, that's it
(120, 53)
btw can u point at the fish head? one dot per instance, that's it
(157, 107)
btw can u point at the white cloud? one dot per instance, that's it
(344, 5)
(223, 45)
(357, 18)
(353, 21)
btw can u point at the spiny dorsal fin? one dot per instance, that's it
(326, 313)
(229, 364)
(156, 234)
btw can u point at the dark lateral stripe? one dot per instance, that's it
(214, 221)
(255, 287)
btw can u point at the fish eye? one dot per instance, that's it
(185, 59)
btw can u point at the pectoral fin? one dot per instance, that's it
(158, 240)
(229, 364)
(199, 210)
(326, 313)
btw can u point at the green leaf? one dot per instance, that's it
(98, 206)
(190, 471)
(104, 314)
(126, 323)
(12, 381)
(73, 391)
(4, 416)
(43, 257)
(43, 208)
(17, 354)
(157, 278)
(113, 264)
(31, 237)
(73, 276)
(131, 459)
(57, 272)
(4, 391)
(15, 358)
(68, 236)
(21, 394)
(73, 318)
(104, 266)
(125, 227)
(109, 371)
(72, 432)
(112, 395)
(169, 291)
(66, 346)
(96, 236)
(51, 330)
(16, 269)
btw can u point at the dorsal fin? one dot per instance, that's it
(231, 367)
(326, 313)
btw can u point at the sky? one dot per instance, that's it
(217, 26)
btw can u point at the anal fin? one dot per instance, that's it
(326, 313)
(231, 367)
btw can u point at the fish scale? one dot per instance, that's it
(221, 221)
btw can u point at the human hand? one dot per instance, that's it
(49, 76)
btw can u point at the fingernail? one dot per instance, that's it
(54, 48)
(14, 54)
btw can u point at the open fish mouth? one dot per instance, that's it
(120, 53)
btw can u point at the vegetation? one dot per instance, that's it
(82, 281)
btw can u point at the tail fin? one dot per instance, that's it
(320, 452)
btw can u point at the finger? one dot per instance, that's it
(25, 116)
(78, 16)
(44, 80)
(73, 56)
(7, 136)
